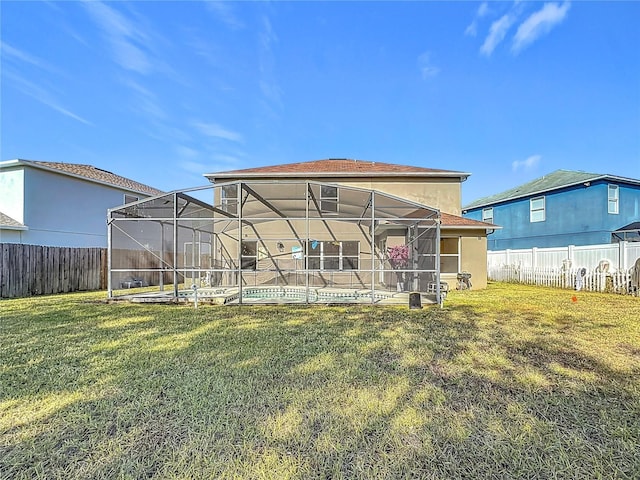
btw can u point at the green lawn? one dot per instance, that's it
(510, 382)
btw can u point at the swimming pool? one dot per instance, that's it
(274, 294)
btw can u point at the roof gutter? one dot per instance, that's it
(237, 175)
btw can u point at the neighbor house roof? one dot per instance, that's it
(87, 172)
(9, 223)
(336, 167)
(553, 181)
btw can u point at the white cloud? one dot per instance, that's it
(185, 152)
(144, 101)
(128, 41)
(9, 52)
(526, 164)
(427, 69)
(268, 82)
(42, 95)
(223, 12)
(497, 33)
(216, 131)
(472, 29)
(194, 167)
(539, 23)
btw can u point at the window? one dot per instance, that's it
(229, 198)
(332, 255)
(130, 198)
(249, 257)
(613, 199)
(536, 209)
(487, 215)
(328, 199)
(449, 255)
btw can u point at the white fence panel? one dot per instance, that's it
(632, 253)
(621, 256)
(625, 282)
(589, 256)
(550, 257)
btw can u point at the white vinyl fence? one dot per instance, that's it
(624, 282)
(613, 267)
(620, 256)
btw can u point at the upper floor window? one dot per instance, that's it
(487, 215)
(613, 197)
(537, 209)
(130, 198)
(229, 198)
(328, 199)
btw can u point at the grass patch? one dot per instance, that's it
(510, 382)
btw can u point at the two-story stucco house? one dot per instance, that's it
(463, 242)
(560, 209)
(60, 204)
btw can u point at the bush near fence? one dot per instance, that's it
(620, 281)
(27, 270)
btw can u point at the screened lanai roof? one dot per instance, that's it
(270, 200)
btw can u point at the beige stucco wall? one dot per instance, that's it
(473, 256)
(443, 194)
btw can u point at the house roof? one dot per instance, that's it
(88, 172)
(553, 181)
(336, 167)
(7, 222)
(449, 220)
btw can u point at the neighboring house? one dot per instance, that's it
(463, 243)
(560, 209)
(60, 204)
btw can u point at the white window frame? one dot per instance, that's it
(229, 203)
(329, 204)
(613, 201)
(450, 255)
(487, 214)
(341, 256)
(535, 213)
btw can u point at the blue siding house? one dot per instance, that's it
(559, 209)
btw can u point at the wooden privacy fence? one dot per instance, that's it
(622, 281)
(27, 270)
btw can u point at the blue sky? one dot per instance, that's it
(163, 92)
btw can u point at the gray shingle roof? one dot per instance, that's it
(552, 181)
(92, 173)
